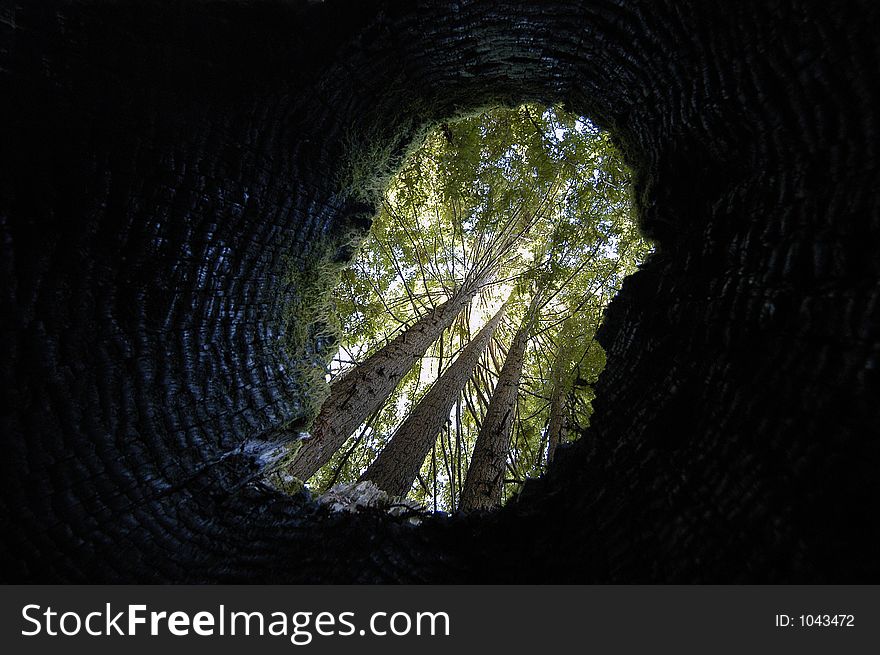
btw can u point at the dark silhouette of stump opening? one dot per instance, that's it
(170, 174)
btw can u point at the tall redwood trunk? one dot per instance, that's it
(557, 405)
(363, 390)
(485, 475)
(397, 466)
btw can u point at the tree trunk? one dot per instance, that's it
(557, 405)
(485, 475)
(363, 390)
(397, 465)
(154, 185)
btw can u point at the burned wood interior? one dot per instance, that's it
(171, 172)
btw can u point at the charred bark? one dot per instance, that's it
(396, 467)
(165, 166)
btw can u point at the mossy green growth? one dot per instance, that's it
(371, 154)
(279, 475)
(369, 167)
(310, 323)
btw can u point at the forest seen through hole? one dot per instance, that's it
(467, 351)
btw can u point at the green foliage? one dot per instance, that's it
(310, 324)
(536, 204)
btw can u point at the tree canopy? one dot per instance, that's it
(530, 206)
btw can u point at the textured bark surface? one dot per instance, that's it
(557, 407)
(485, 475)
(362, 391)
(398, 465)
(164, 167)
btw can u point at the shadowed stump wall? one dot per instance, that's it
(171, 174)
